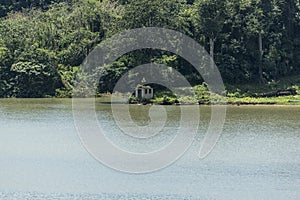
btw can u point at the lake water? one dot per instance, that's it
(41, 155)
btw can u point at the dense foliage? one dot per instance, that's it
(43, 42)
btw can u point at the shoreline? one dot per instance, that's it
(238, 103)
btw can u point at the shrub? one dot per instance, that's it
(165, 100)
(202, 93)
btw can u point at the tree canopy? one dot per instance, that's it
(43, 43)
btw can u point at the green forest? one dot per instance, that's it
(254, 43)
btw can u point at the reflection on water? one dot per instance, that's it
(58, 196)
(41, 157)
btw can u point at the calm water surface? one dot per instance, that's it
(41, 156)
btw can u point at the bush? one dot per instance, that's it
(132, 100)
(165, 100)
(63, 93)
(188, 100)
(296, 88)
(202, 93)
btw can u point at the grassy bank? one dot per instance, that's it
(282, 100)
(238, 97)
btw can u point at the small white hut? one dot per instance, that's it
(143, 92)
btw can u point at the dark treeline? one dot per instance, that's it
(43, 43)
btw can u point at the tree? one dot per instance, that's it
(209, 20)
(155, 13)
(40, 47)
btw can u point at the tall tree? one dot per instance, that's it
(209, 19)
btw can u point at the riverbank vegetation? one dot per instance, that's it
(202, 96)
(254, 43)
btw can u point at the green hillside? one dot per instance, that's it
(254, 43)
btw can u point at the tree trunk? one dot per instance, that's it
(211, 50)
(260, 70)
